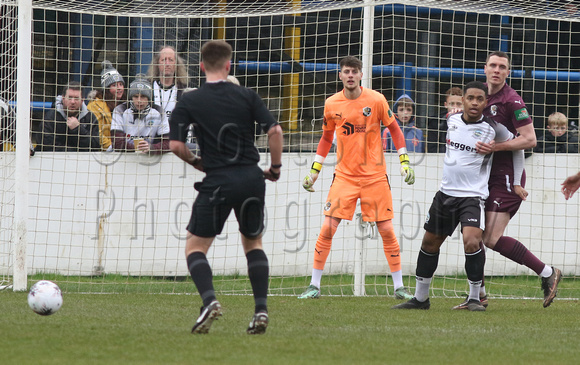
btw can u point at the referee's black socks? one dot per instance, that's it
(202, 276)
(258, 271)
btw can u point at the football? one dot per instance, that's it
(45, 298)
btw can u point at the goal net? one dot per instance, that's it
(115, 221)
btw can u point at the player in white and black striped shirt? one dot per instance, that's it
(461, 197)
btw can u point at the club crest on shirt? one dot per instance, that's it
(493, 110)
(477, 133)
(367, 111)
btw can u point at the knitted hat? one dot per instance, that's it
(140, 86)
(109, 75)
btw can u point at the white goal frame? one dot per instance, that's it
(543, 165)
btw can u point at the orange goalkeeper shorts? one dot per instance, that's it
(375, 197)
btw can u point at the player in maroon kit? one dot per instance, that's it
(505, 106)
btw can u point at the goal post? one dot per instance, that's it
(115, 222)
(21, 175)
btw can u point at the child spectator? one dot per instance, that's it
(105, 100)
(557, 138)
(437, 126)
(139, 124)
(405, 116)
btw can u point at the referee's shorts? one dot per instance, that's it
(241, 188)
(447, 211)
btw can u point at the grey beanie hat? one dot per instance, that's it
(140, 86)
(109, 75)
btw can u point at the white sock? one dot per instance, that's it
(547, 272)
(422, 288)
(474, 287)
(397, 279)
(482, 291)
(316, 277)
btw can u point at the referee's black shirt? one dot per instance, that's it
(223, 117)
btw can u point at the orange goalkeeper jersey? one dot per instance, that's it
(357, 124)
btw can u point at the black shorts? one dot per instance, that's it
(502, 197)
(241, 188)
(447, 211)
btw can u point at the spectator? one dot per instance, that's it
(405, 116)
(169, 79)
(7, 127)
(105, 100)
(557, 138)
(437, 126)
(168, 76)
(70, 126)
(139, 124)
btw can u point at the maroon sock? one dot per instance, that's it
(516, 251)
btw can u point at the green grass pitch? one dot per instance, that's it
(138, 328)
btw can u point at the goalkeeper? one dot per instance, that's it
(355, 115)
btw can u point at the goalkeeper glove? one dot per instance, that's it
(407, 170)
(310, 179)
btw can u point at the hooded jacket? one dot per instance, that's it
(57, 136)
(566, 143)
(413, 135)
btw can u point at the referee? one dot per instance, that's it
(223, 116)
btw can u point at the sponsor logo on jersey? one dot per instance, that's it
(327, 206)
(493, 110)
(460, 146)
(367, 111)
(324, 123)
(350, 128)
(390, 113)
(521, 114)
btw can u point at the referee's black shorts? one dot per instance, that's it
(241, 188)
(447, 211)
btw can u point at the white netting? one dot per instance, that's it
(558, 9)
(8, 26)
(124, 214)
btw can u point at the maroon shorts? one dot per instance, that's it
(502, 197)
